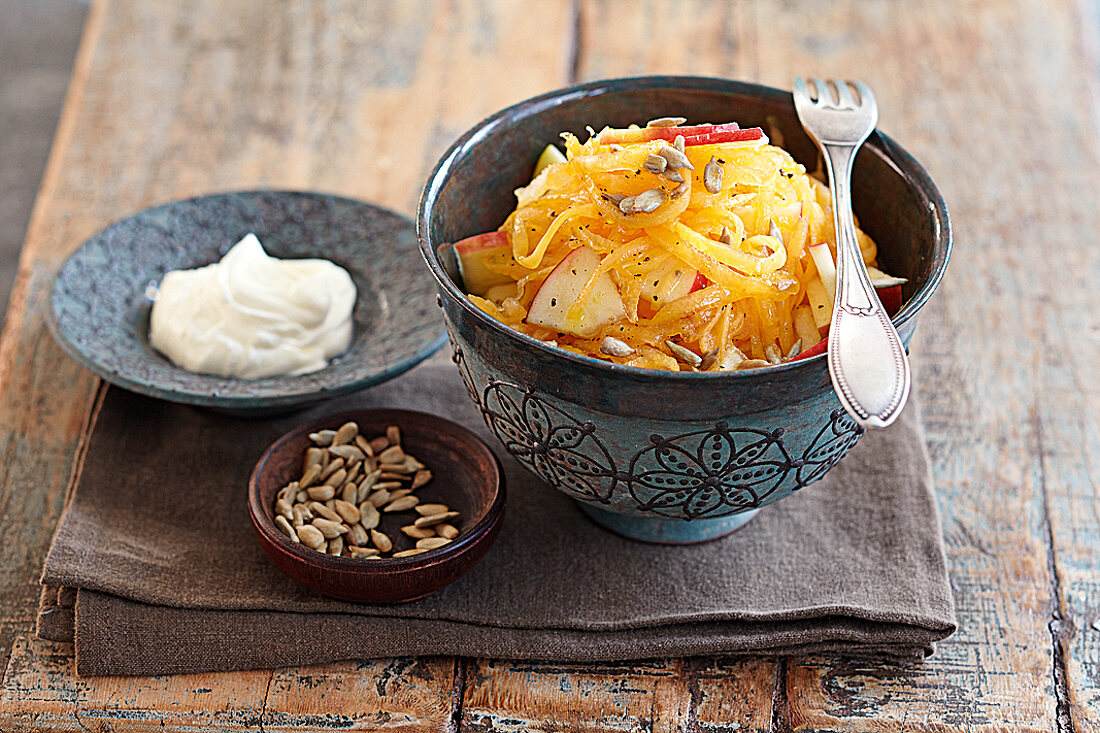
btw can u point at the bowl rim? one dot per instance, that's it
(891, 152)
(480, 532)
(212, 398)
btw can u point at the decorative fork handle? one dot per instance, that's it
(867, 362)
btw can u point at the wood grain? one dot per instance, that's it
(996, 97)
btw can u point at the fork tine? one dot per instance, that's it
(866, 96)
(800, 88)
(844, 94)
(824, 96)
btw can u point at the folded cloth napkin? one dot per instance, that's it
(157, 543)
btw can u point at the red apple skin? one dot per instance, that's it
(729, 132)
(472, 253)
(726, 136)
(700, 282)
(891, 299)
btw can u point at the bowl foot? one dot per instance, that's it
(665, 530)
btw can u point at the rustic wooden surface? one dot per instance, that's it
(997, 99)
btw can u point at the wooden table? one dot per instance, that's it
(999, 101)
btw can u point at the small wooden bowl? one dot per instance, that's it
(467, 477)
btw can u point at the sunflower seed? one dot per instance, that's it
(709, 360)
(324, 511)
(644, 203)
(796, 349)
(431, 543)
(353, 472)
(393, 434)
(368, 515)
(679, 190)
(310, 476)
(615, 198)
(312, 457)
(399, 493)
(364, 445)
(323, 437)
(412, 465)
(387, 485)
(678, 143)
(321, 493)
(773, 354)
(752, 364)
(684, 354)
(350, 493)
(712, 176)
(427, 509)
(433, 519)
(347, 511)
(302, 497)
(329, 528)
(336, 478)
(422, 477)
(336, 546)
(379, 497)
(345, 434)
(733, 357)
(409, 553)
(675, 157)
(363, 552)
(393, 454)
(282, 507)
(446, 530)
(655, 163)
(381, 540)
(726, 237)
(379, 444)
(401, 504)
(615, 148)
(773, 231)
(299, 517)
(310, 535)
(666, 122)
(418, 533)
(614, 347)
(282, 523)
(673, 176)
(389, 474)
(288, 492)
(348, 452)
(357, 535)
(336, 464)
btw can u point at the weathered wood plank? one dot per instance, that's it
(172, 100)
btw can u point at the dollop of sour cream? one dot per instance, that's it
(252, 315)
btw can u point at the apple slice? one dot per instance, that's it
(550, 155)
(694, 135)
(563, 286)
(826, 268)
(472, 253)
(671, 282)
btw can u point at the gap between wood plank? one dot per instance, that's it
(1063, 713)
(458, 694)
(781, 705)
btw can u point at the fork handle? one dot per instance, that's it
(867, 362)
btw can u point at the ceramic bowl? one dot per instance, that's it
(466, 477)
(100, 308)
(655, 455)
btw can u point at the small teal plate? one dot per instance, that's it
(100, 311)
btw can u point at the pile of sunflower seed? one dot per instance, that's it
(348, 481)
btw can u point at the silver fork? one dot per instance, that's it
(867, 362)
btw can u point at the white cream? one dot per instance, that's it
(252, 315)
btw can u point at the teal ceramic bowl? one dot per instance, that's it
(662, 456)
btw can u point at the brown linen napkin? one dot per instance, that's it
(169, 578)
